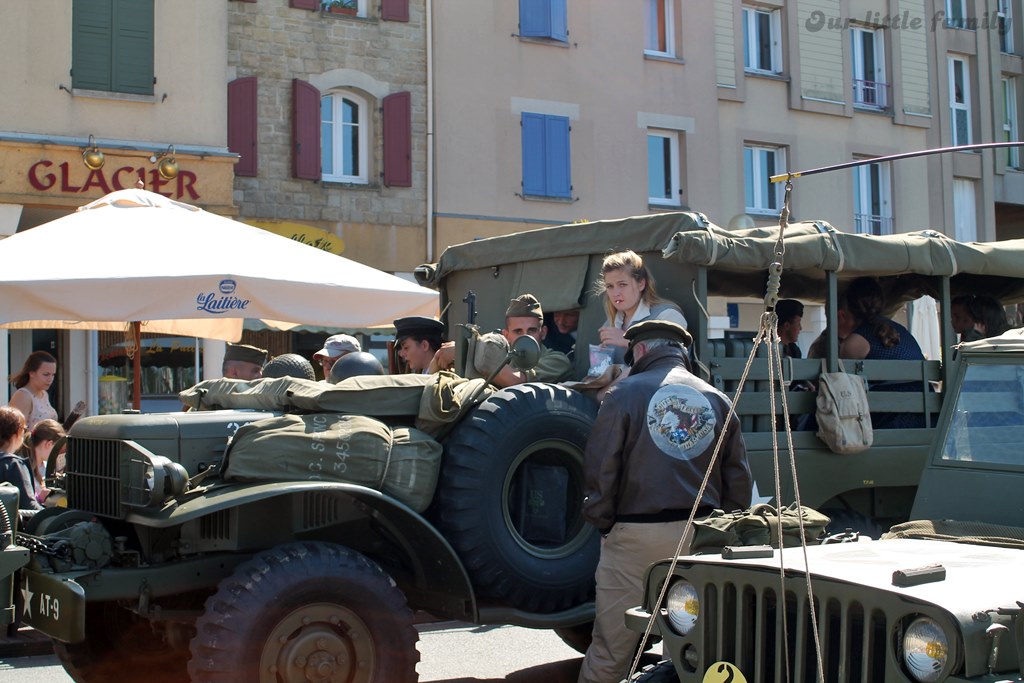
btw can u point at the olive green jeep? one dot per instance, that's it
(940, 599)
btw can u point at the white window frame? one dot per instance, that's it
(756, 178)
(673, 170)
(338, 141)
(652, 35)
(869, 89)
(1004, 19)
(1011, 129)
(962, 104)
(956, 14)
(752, 39)
(872, 184)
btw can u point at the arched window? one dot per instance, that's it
(344, 131)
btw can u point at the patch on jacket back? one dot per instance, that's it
(681, 421)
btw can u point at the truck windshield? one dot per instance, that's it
(988, 421)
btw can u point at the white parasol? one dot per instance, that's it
(135, 256)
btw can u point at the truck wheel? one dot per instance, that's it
(842, 519)
(117, 642)
(510, 498)
(662, 672)
(304, 612)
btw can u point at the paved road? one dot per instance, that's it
(485, 654)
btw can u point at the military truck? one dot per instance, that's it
(165, 562)
(934, 600)
(702, 268)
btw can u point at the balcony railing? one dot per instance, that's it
(870, 224)
(874, 94)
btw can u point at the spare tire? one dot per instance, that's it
(510, 498)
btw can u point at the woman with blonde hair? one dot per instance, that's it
(630, 296)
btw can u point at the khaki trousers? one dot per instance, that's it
(625, 555)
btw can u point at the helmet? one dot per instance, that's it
(289, 365)
(355, 364)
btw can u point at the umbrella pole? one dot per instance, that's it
(137, 366)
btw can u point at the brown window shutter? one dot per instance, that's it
(304, 4)
(305, 130)
(398, 140)
(242, 120)
(394, 10)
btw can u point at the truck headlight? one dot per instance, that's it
(683, 606)
(925, 650)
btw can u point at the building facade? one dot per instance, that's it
(140, 86)
(977, 67)
(327, 109)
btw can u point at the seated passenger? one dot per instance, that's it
(960, 316)
(242, 361)
(525, 316)
(561, 334)
(865, 333)
(417, 339)
(790, 313)
(14, 469)
(989, 317)
(630, 296)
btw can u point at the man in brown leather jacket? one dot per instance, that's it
(645, 460)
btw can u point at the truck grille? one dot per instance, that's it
(743, 623)
(93, 476)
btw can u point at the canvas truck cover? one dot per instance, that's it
(555, 264)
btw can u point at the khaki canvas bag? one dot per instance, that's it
(844, 419)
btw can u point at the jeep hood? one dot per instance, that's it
(977, 577)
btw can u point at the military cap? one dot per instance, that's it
(418, 326)
(246, 353)
(524, 305)
(655, 329)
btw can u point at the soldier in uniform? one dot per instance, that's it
(644, 462)
(242, 361)
(417, 339)
(524, 316)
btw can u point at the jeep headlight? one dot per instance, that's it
(925, 650)
(683, 606)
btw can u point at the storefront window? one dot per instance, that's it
(169, 365)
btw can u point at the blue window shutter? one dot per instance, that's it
(543, 19)
(534, 158)
(558, 166)
(535, 18)
(559, 21)
(546, 159)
